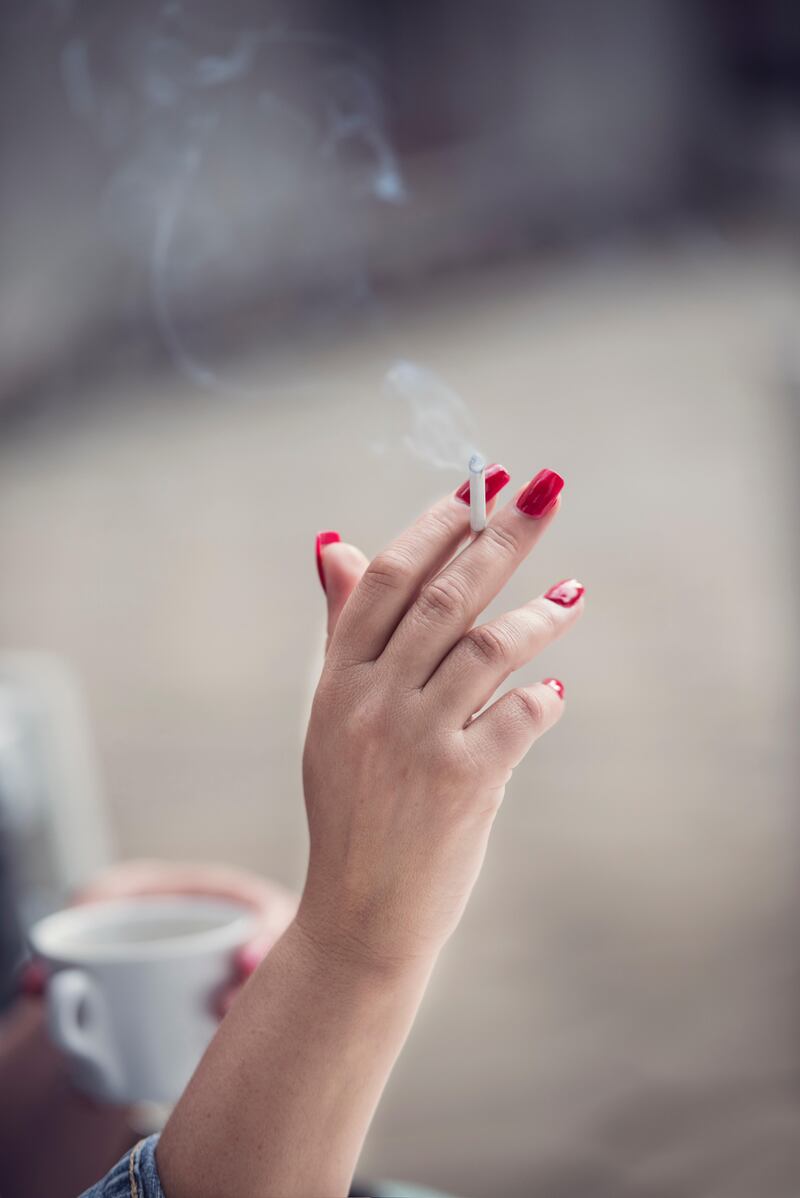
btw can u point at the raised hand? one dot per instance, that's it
(402, 780)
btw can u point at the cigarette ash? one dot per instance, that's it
(477, 492)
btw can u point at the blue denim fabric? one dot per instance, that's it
(135, 1176)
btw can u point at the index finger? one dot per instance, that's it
(393, 579)
(449, 604)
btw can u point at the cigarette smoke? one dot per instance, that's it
(441, 432)
(241, 164)
(243, 160)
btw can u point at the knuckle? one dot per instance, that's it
(528, 706)
(455, 764)
(489, 645)
(391, 570)
(442, 599)
(439, 522)
(544, 621)
(503, 539)
(364, 720)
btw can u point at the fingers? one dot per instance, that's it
(223, 1000)
(502, 735)
(150, 876)
(328, 537)
(32, 980)
(250, 955)
(393, 579)
(273, 905)
(450, 603)
(341, 567)
(483, 659)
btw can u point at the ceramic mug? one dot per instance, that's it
(130, 996)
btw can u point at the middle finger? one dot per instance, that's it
(449, 604)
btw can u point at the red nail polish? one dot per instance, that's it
(555, 685)
(33, 979)
(565, 593)
(323, 539)
(495, 479)
(540, 494)
(249, 958)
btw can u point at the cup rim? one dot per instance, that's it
(45, 935)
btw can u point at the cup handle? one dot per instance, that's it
(76, 1023)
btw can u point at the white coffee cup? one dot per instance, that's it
(130, 997)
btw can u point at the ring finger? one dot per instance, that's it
(448, 605)
(393, 579)
(484, 658)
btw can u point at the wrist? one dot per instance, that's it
(344, 952)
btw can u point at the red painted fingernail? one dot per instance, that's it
(248, 960)
(32, 979)
(323, 539)
(565, 593)
(555, 685)
(495, 479)
(540, 494)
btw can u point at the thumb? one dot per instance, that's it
(340, 568)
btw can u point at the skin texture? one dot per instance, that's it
(402, 784)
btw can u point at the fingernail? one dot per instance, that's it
(565, 593)
(540, 494)
(495, 479)
(323, 539)
(555, 685)
(248, 960)
(33, 979)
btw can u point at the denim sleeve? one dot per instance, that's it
(135, 1176)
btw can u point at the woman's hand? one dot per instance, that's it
(273, 906)
(340, 567)
(402, 785)
(402, 781)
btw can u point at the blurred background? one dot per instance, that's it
(220, 224)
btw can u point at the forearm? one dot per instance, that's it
(402, 781)
(282, 1100)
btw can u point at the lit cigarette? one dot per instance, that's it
(477, 493)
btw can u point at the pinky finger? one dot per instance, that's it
(33, 979)
(506, 730)
(223, 1001)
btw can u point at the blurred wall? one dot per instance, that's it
(188, 180)
(585, 224)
